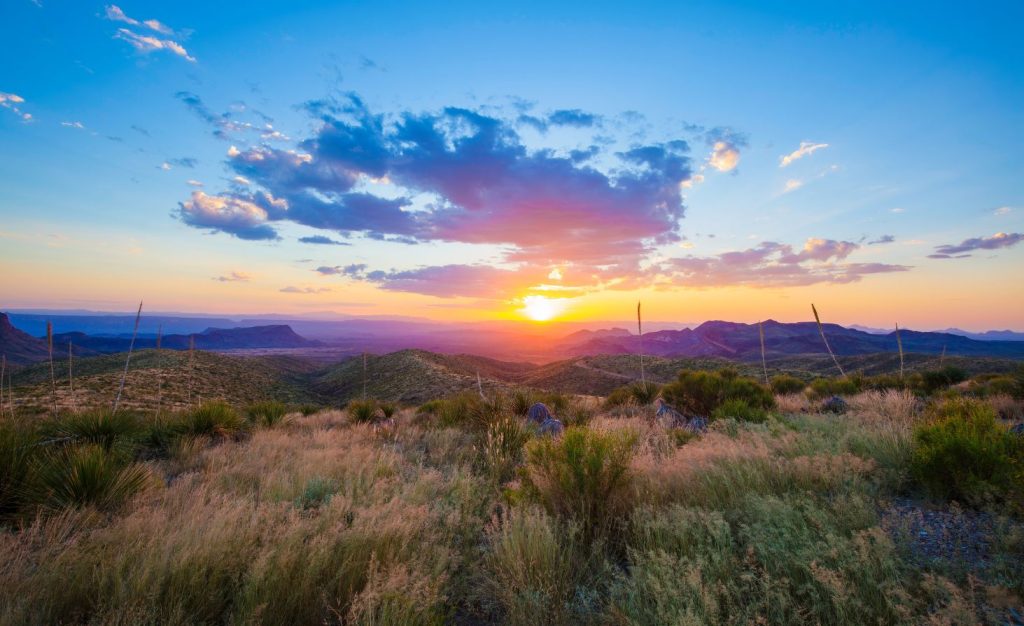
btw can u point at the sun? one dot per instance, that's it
(540, 309)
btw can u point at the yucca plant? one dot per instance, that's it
(85, 475)
(268, 413)
(388, 409)
(644, 393)
(213, 419)
(362, 411)
(115, 433)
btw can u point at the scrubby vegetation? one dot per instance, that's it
(459, 511)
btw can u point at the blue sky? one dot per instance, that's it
(910, 117)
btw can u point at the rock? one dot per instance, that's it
(539, 413)
(696, 424)
(835, 405)
(1018, 429)
(668, 417)
(551, 428)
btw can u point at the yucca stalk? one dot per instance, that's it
(3, 370)
(364, 376)
(899, 345)
(640, 332)
(71, 378)
(942, 357)
(128, 358)
(480, 385)
(53, 378)
(191, 354)
(764, 361)
(159, 371)
(821, 329)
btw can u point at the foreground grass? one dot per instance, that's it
(329, 519)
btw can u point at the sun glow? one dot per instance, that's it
(540, 309)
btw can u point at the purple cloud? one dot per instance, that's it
(965, 247)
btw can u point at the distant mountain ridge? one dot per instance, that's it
(734, 340)
(250, 337)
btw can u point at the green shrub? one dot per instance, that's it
(740, 410)
(85, 475)
(583, 477)
(388, 409)
(644, 393)
(268, 413)
(964, 453)
(362, 411)
(701, 392)
(936, 380)
(826, 387)
(308, 409)
(784, 384)
(620, 396)
(211, 419)
(317, 492)
(114, 432)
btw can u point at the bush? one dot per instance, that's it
(784, 384)
(935, 380)
(317, 492)
(501, 449)
(583, 477)
(362, 411)
(269, 413)
(308, 409)
(740, 410)
(701, 392)
(964, 453)
(85, 475)
(821, 388)
(388, 409)
(212, 419)
(113, 432)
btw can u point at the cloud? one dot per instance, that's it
(806, 148)
(773, 264)
(965, 247)
(10, 101)
(227, 214)
(1003, 210)
(443, 281)
(897, 210)
(234, 277)
(228, 123)
(115, 14)
(882, 240)
(792, 185)
(76, 125)
(188, 162)
(291, 289)
(194, 183)
(573, 118)
(328, 270)
(725, 148)
(146, 44)
(322, 240)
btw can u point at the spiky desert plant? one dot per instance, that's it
(213, 419)
(821, 330)
(115, 433)
(128, 358)
(53, 378)
(764, 361)
(86, 475)
(362, 411)
(899, 345)
(268, 413)
(640, 332)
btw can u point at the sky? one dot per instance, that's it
(523, 161)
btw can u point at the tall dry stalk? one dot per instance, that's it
(53, 378)
(3, 370)
(942, 357)
(764, 361)
(128, 358)
(899, 345)
(191, 354)
(364, 376)
(71, 378)
(10, 390)
(480, 386)
(159, 370)
(640, 331)
(821, 329)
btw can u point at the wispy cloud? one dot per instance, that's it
(75, 125)
(967, 246)
(147, 43)
(234, 277)
(1003, 210)
(241, 218)
(12, 102)
(773, 264)
(115, 14)
(292, 289)
(882, 240)
(806, 148)
(322, 240)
